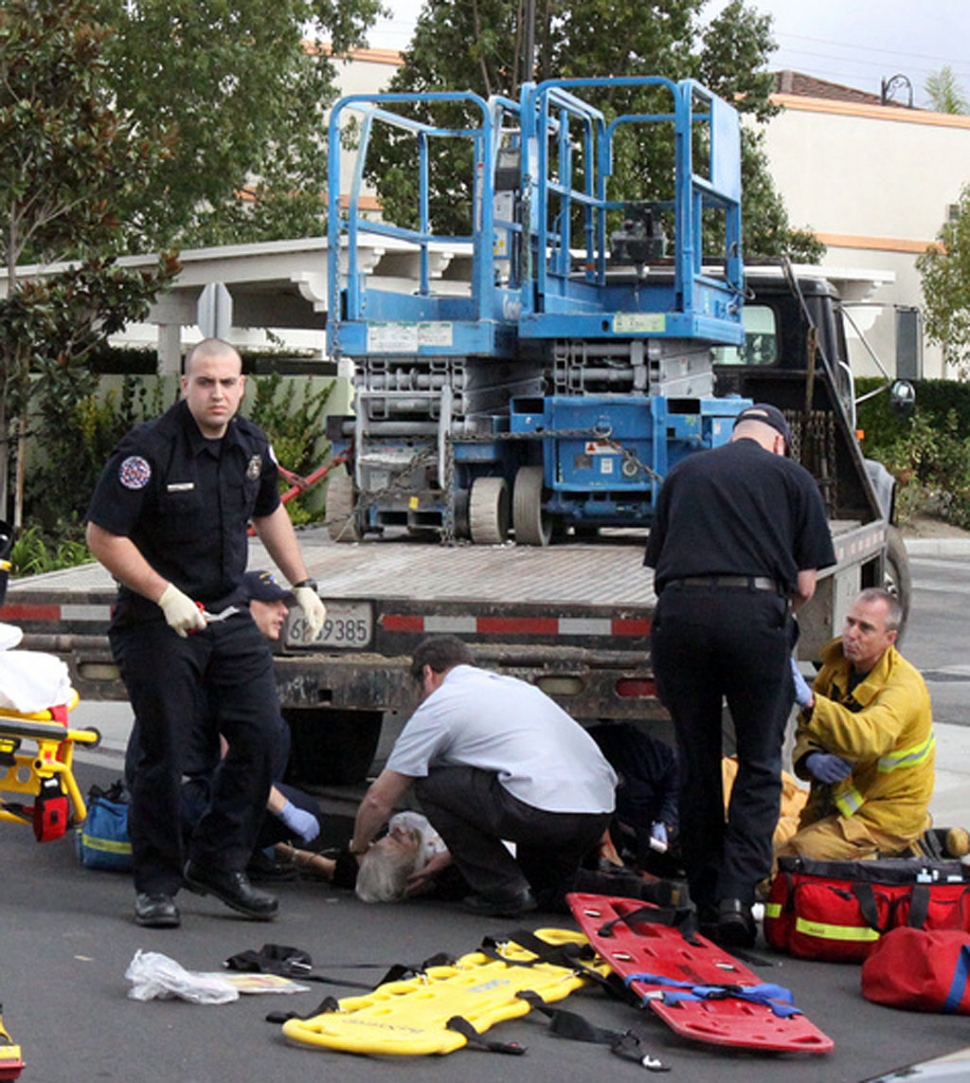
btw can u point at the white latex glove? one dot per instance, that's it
(313, 609)
(803, 694)
(181, 613)
(300, 822)
(658, 837)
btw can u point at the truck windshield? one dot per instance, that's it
(760, 339)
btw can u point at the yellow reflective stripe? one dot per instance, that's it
(772, 910)
(835, 932)
(107, 846)
(909, 757)
(849, 802)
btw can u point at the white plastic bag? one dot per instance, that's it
(154, 975)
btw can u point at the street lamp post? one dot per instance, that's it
(892, 84)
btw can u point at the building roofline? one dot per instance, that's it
(800, 103)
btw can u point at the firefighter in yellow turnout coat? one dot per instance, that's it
(865, 741)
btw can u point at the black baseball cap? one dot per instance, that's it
(263, 587)
(767, 415)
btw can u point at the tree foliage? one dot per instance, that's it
(239, 91)
(479, 45)
(137, 124)
(944, 93)
(945, 271)
(70, 159)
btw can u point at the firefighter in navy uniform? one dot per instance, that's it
(738, 535)
(169, 520)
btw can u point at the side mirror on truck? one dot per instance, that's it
(902, 398)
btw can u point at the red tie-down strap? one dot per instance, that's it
(51, 812)
(58, 713)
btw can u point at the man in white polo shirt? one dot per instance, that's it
(493, 760)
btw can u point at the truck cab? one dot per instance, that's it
(796, 356)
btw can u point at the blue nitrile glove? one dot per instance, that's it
(803, 694)
(658, 837)
(300, 822)
(827, 767)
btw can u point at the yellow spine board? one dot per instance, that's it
(409, 1017)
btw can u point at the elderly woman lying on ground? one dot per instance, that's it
(403, 863)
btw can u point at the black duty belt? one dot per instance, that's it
(744, 582)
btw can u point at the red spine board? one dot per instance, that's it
(643, 948)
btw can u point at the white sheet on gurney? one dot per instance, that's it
(32, 681)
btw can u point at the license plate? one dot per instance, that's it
(349, 625)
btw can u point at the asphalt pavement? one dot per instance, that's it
(68, 939)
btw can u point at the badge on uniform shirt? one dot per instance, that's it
(255, 467)
(134, 472)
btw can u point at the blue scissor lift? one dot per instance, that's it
(435, 353)
(558, 378)
(624, 330)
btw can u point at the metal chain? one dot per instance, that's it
(365, 500)
(629, 456)
(448, 525)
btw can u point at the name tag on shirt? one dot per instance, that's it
(180, 486)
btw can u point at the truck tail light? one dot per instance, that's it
(636, 688)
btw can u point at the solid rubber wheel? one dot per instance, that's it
(462, 524)
(488, 511)
(532, 525)
(897, 575)
(341, 508)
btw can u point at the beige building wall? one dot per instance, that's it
(874, 183)
(365, 71)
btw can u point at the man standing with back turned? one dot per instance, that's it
(168, 519)
(738, 535)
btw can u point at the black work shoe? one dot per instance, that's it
(500, 906)
(735, 926)
(233, 889)
(156, 911)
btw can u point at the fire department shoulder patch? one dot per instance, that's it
(134, 472)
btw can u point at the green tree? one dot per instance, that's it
(944, 92)
(70, 158)
(945, 271)
(478, 45)
(239, 90)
